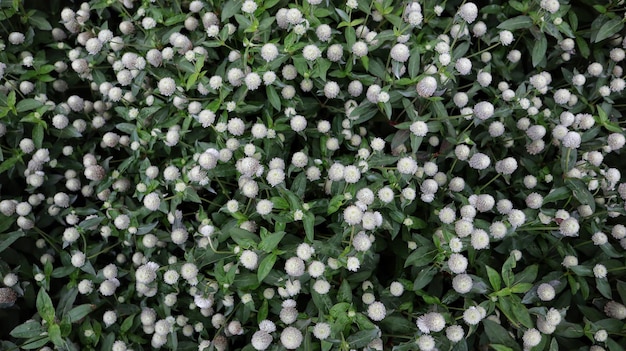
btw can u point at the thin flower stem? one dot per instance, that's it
(489, 182)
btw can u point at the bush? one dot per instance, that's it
(312, 175)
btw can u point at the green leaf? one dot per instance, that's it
(499, 347)
(424, 277)
(362, 338)
(54, 332)
(45, 306)
(539, 51)
(273, 97)
(27, 330)
(604, 287)
(266, 265)
(583, 47)
(269, 243)
(80, 311)
(494, 278)
(229, 9)
(568, 159)
(507, 271)
(40, 23)
(560, 193)
(621, 290)
(520, 312)
(518, 22)
(420, 257)
(581, 192)
(11, 99)
(9, 238)
(345, 292)
(608, 29)
(127, 324)
(309, 225)
(8, 164)
(38, 135)
(335, 203)
(498, 335)
(414, 62)
(528, 275)
(243, 237)
(35, 343)
(28, 105)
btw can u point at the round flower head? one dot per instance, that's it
(426, 87)
(167, 86)
(400, 52)
(468, 12)
(291, 338)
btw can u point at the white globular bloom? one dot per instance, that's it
(600, 271)
(483, 110)
(468, 12)
(506, 166)
(462, 283)
(426, 87)
(479, 161)
(249, 259)
(152, 201)
(359, 49)
(473, 315)
(457, 263)
(291, 338)
(506, 37)
(376, 311)
(419, 128)
(311, 52)
(261, 340)
(352, 215)
(353, 264)
(463, 66)
(407, 165)
(400, 52)
(546, 292)
(167, 86)
(294, 266)
(569, 227)
(531, 338)
(249, 6)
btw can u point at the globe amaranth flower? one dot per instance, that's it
(167, 86)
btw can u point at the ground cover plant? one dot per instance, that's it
(312, 175)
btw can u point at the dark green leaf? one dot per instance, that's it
(362, 338)
(273, 97)
(609, 29)
(420, 257)
(345, 292)
(528, 275)
(560, 193)
(424, 277)
(54, 332)
(539, 50)
(498, 335)
(45, 306)
(518, 22)
(568, 159)
(8, 164)
(230, 8)
(9, 238)
(604, 287)
(80, 311)
(40, 23)
(309, 226)
(38, 135)
(581, 192)
(269, 243)
(27, 330)
(266, 265)
(27, 105)
(494, 278)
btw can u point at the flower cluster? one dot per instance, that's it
(276, 175)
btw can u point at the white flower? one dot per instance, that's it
(479, 161)
(462, 283)
(311, 52)
(359, 49)
(294, 266)
(400, 52)
(167, 86)
(249, 259)
(353, 264)
(331, 89)
(291, 338)
(321, 330)
(152, 201)
(261, 340)
(551, 6)
(426, 87)
(426, 343)
(455, 333)
(249, 6)
(386, 194)
(419, 128)
(376, 311)
(569, 227)
(109, 318)
(253, 81)
(468, 12)
(352, 215)
(531, 338)
(600, 271)
(483, 110)
(78, 259)
(16, 38)
(473, 315)
(457, 263)
(506, 37)
(546, 292)
(407, 165)
(463, 66)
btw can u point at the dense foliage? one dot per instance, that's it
(312, 175)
